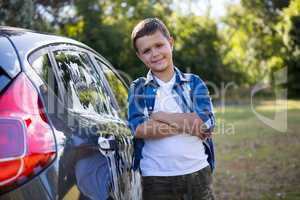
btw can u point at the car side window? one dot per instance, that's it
(119, 89)
(43, 68)
(83, 85)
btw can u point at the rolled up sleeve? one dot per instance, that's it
(202, 103)
(136, 105)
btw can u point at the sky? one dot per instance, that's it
(200, 7)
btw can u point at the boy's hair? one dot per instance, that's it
(148, 26)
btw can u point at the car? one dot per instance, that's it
(63, 128)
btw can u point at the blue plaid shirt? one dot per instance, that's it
(191, 94)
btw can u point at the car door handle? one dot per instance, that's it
(107, 143)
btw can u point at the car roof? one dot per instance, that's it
(26, 40)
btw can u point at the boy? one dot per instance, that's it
(170, 114)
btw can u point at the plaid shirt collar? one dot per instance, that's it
(179, 78)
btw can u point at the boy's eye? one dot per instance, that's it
(146, 51)
(159, 45)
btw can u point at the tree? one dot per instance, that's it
(197, 48)
(252, 45)
(290, 27)
(40, 15)
(16, 13)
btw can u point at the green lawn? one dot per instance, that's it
(254, 161)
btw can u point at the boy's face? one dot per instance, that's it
(155, 51)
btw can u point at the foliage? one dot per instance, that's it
(251, 45)
(40, 15)
(254, 40)
(291, 37)
(197, 48)
(16, 13)
(261, 37)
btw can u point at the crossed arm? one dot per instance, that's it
(163, 124)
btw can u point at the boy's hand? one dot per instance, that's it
(202, 135)
(200, 131)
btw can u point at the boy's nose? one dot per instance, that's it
(154, 52)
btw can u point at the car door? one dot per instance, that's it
(96, 117)
(128, 180)
(91, 114)
(86, 104)
(60, 179)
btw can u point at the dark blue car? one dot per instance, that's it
(63, 131)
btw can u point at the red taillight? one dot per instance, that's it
(27, 144)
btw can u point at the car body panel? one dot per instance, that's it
(34, 191)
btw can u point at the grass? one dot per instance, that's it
(255, 161)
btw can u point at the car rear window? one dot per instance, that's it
(119, 89)
(9, 63)
(85, 91)
(43, 68)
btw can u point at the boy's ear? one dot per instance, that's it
(138, 55)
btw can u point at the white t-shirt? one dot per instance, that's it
(174, 155)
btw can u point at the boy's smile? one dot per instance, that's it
(155, 51)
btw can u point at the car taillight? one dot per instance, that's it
(27, 143)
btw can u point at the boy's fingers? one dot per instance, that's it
(208, 135)
(200, 135)
(203, 135)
